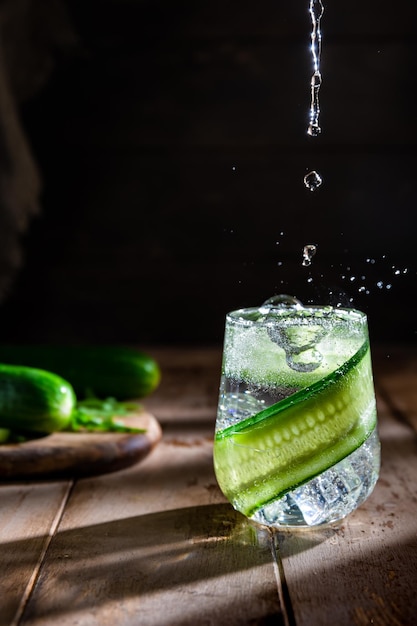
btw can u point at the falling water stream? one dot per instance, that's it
(313, 180)
(358, 277)
(316, 11)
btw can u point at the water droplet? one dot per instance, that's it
(308, 252)
(312, 180)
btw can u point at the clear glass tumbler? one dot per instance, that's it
(296, 441)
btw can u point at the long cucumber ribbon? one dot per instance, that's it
(297, 397)
(274, 451)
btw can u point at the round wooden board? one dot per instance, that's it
(67, 455)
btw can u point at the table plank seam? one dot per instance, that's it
(30, 587)
(283, 591)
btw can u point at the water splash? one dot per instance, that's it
(381, 275)
(309, 251)
(316, 10)
(280, 300)
(299, 341)
(297, 336)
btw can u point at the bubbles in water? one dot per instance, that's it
(308, 252)
(312, 180)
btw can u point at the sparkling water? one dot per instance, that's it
(330, 496)
(266, 360)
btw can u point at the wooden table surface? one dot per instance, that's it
(157, 544)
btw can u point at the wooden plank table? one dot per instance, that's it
(157, 544)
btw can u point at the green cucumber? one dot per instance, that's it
(34, 400)
(4, 434)
(285, 445)
(102, 371)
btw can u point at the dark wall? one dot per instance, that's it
(172, 144)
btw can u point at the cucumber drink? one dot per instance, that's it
(296, 442)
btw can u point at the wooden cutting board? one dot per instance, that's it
(67, 455)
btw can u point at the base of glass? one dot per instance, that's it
(330, 497)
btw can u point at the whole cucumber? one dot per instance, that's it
(32, 399)
(104, 371)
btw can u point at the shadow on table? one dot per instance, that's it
(209, 556)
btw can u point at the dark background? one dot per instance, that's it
(172, 145)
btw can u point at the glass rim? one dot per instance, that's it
(272, 314)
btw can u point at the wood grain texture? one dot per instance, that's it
(157, 543)
(396, 377)
(184, 566)
(189, 385)
(65, 454)
(29, 514)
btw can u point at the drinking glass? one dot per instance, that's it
(296, 441)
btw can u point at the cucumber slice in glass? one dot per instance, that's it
(283, 446)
